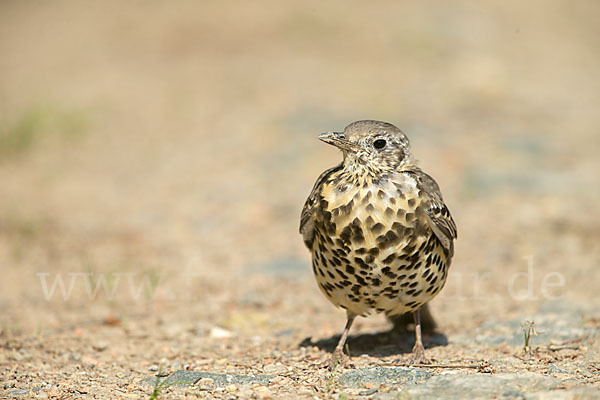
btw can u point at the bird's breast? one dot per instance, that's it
(373, 245)
(360, 212)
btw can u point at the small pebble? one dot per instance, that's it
(263, 392)
(231, 388)
(220, 333)
(514, 394)
(276, 368)
(206, 383)
(19, 391)
(368, 392)
(100, 346)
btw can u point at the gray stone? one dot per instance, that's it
(513, 394)
(458, 386)
(555, 369)
(387, 375)
(188, 378)
(580, 393)
(554, 321)
(368, 392)
(18, 392)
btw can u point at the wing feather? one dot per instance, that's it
(438, 215)
(308, 211)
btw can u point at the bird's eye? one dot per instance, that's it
(379, 144)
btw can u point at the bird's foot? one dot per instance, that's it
(338, 358)
(418, 355)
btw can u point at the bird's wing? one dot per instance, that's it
(308, 211)
(438, 215)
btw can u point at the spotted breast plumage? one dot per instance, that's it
(380, 234)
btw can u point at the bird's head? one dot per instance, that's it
(372, 145)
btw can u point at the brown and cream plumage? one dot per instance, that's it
(380, 234)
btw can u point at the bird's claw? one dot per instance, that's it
(338, 358)
(418, 355)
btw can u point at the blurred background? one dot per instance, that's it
(172, 145)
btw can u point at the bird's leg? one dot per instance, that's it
(338, 354)
(418, 351)
(428, 324)
(401, 322)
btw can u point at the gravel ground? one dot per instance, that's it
(154, 159)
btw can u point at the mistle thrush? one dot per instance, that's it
(380, 234)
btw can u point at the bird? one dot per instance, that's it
(379, 232)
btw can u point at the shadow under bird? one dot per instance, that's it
(379, 232)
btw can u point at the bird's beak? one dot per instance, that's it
(338, 140)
